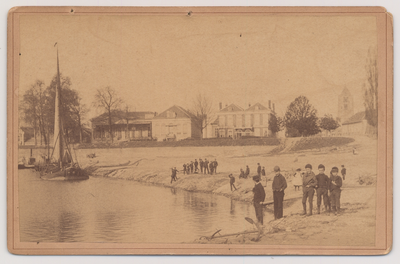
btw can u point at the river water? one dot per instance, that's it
(114, 210)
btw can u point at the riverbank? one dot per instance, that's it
(153, 166)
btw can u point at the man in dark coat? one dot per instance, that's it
(241, 175)
(343, 171)
(247, 173)
(278, 187)
(322, 189)
(211, 166)
(196, 166)
(173, 174)
(232, 181)
(259, 196)
(201, 165)
(206, 170)
(184, 168)
(187, 168)
(215, 166)
(259, 170)
(191, 167)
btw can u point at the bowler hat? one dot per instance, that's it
(308, 166)
(276, 168)
(321, 166)
(256, 178)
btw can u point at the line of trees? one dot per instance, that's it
(301, 120)
(38, 109)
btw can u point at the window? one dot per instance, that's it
(261, 119)
(234, 120)
(185, 128)
(243, 121)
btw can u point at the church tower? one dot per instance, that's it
(346, 105)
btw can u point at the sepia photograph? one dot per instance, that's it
(201, 128)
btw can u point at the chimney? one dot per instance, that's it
(273, 107)
(220, 105)
(249, 104)
(269, 104)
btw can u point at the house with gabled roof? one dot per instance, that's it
(234, 121)
(175, 123)
(356, 124)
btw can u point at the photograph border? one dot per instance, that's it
(384, 201)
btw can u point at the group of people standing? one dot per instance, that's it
(327, 188)
(206, 167)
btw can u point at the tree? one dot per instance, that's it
(79, 110)
(202, 111)
(275, 123)
(328, 123)
(301, 118)
(30, 106)
(69, 103)
(107, 99)
(371, 90)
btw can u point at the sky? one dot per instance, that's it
(154, 62)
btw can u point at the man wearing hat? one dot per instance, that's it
(278, 187)
(259, 196)
(335, 184)
(309, 183)
(322, 188)
(258, 169)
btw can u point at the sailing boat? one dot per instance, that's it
(60, 165)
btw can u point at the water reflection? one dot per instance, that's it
(110, 210)
(70, 227)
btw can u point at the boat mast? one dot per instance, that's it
(58, 133)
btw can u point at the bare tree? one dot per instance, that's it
(202, 111)
(371, 90)
(107, 99)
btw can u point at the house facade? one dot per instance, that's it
(125, 126)
(175, 123)
(235, 122)
(356, 125)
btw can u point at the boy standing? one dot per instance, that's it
(258, 170)
(173, 174)
(343, 171)
(259, 196)
(278, 187)
(309, 182)
(335, 184)
(215, 166)
(201, 165)
(232, 181)
(322, 188)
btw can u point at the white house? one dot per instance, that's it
(175, 123)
